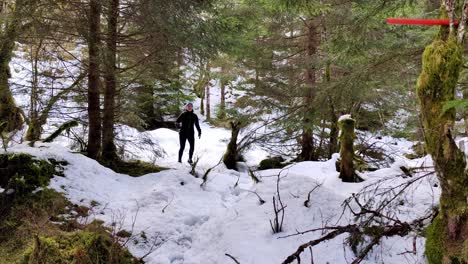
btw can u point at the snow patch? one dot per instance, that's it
(343, 117)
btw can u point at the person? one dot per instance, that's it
(188, 119)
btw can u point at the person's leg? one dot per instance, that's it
(182, 146)
(191, 141)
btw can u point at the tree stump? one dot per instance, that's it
(231, 156)
(347, 136)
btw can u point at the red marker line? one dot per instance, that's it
(420, 21)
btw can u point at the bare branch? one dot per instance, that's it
(233, 258)
(307, 202)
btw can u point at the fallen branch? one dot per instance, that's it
(259, 198)
(400, 229)
(233, 258)
(301, 248)
(307, 202)
(167, 205)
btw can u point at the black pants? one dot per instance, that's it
(191, 140)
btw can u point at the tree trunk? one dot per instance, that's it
(347, 173)
(333, 137)
(307, 142)
(442, 61)
(202, 104)
(465, 113)
(208, 106)
(199, 88)
(257, 79)
(222, 105)
(35, 128)
(231, 156)
(94, 110)
(333, 144)
(109, 151)
(10, 115)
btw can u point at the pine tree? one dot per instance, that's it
(109, 150)
(94, 109)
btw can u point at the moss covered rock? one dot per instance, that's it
(272, 163)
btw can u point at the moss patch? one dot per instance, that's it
(41, 229)
(272, 163)
(442, 61)
(23, 173)
(78, 247)
(132, 168)
(434, 241)
(64, 127)
(37, 224)
(20, 175)
(347, 155)
(29, 215)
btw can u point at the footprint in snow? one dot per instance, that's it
(160, 197)
(185, 242)
(177, 259)
(195, 220)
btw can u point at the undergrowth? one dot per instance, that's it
(132, 168)
(39, 225)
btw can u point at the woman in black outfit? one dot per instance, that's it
(188, 118)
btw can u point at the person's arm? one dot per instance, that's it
(198, 126)
(179, 119)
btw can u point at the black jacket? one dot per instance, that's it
(188, 119)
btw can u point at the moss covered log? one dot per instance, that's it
(64, 127)
(442, 61)
(347, 136)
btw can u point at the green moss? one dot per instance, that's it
(438, 250)
(27, 234)
(442, 61)
(346, 164)
(77, 247)
(464, 254)
(65, 126)
(29, 215)
(435, 241)
(9, 112)
(355, 240)
(132, 168)
(124, 233)
(436, 85)
(24, 174)
(272, 163)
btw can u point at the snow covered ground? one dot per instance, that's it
(174, 219)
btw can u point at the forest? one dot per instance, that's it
(233, 131)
